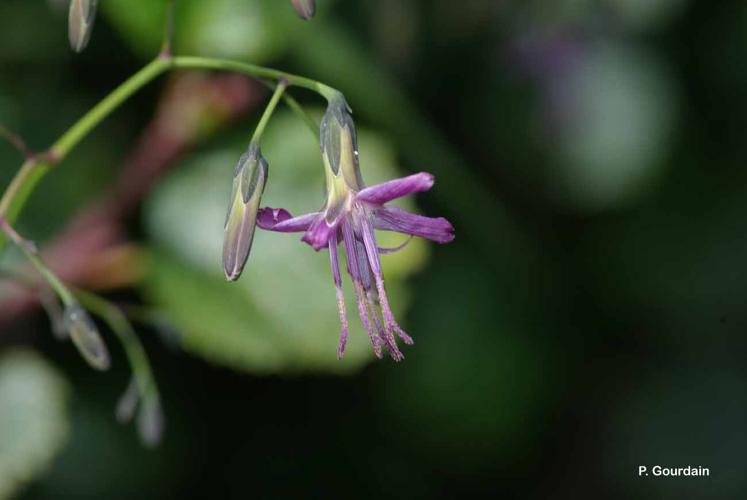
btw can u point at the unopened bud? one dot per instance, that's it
(86, 337)
(339, 143)
(248, 185)
(150, 422)
(305, 8)
(51, 305)
(127, 404)
(80, 22)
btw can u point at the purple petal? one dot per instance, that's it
(319, 233)
(376, 340)
(280, 220)
(363, 267)
(369, 240)
(435, 229)
(389, 342)
(351, 256)
(397, 188)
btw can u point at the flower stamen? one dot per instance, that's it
(335, 263)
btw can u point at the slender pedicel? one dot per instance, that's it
(249, 180)
(76, 321)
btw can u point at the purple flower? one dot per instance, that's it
(349, 216)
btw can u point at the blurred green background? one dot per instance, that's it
(589, 318)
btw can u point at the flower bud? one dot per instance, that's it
(85, 336)
(150, 422)
(80, 22)
(248, 185)
(127, 404)
(339, 144)
(52, 307)
(305, 8)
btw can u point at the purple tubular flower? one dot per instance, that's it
(350, 215)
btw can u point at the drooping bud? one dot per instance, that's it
(127, 404)
(248, 185)
(305, 8)
(86, 337)
(339, 144)
(53, 308)
(80, 22)
(150, 422)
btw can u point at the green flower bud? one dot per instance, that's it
(339, 145)
(248, 185)
(85, 336)
(80, 22)
(305, 8)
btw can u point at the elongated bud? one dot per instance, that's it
(339, 143)
(127, 404)
(248, 185)
(305, 8)
(51, 305)
(80, 22)
(150, 422)
(86, 338)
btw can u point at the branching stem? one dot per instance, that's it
(36, 167)
(29, 250)
(117, 321)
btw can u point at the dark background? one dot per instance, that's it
(589, 318)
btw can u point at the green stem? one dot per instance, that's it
(35, 168)
(168, 31)
(279, 91)
(188, 62)
(122, 329)
(303, 115)
(296, 108)
(93, 118)
(29, 250)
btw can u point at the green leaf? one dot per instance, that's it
(34, 422)
(282, 314)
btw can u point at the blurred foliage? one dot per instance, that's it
(34, 422)
(256, 30)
